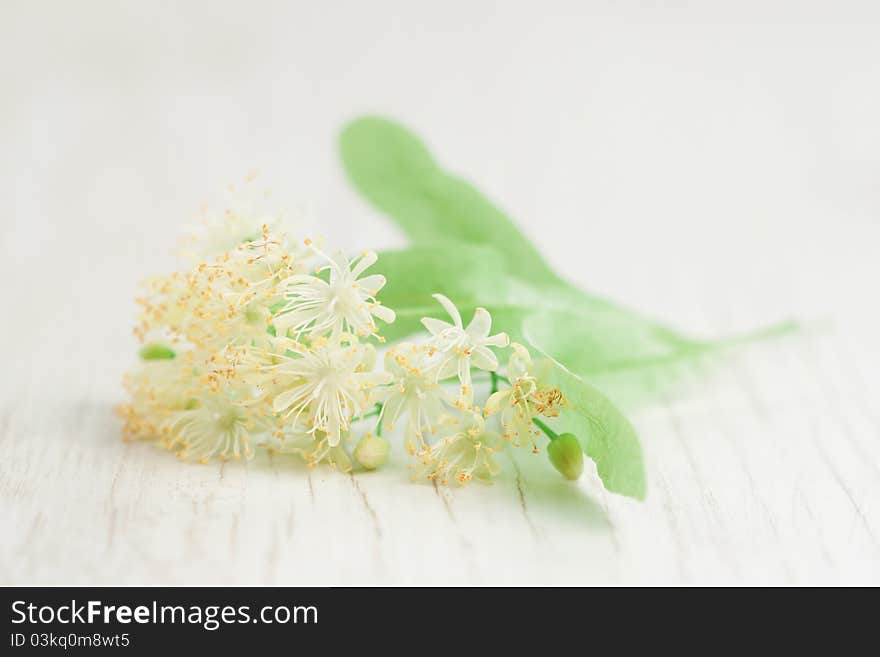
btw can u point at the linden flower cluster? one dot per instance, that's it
(257, 343)
(450, 436)
(268, 342)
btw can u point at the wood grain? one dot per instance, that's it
(769, 475)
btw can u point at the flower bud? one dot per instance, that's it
(372, 451)
(156, 351)
(566, 455)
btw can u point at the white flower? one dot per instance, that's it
(344, 303)
(227, 302)
(465, 452)
(461, 348)
(313, 447)
(244, 219)
(215, 425)
(327, 386)
(523, 400)
(414, 392)
(157, 388)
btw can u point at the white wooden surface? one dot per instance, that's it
(715, 167)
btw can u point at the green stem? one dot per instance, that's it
(379, 423)
(376, 411)
(500, 377)
(552, 435)
(494, 377)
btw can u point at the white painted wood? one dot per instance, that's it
(714, 167)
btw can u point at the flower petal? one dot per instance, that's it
(519, 363)
(482, 358)
(480, 325)
(450, 308)
(303, 279)
(497, 340)
(385, 314)
(393, 407)
(435, 326)
(333, 430)
(338, 266)
(372, 284)
(448, 369)
(496, 401)
(364, 262)
(285, 399)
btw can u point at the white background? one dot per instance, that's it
(712, 164)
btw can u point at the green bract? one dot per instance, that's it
(156, 351)
(469, 250)
(605, 434)
(392, 168)
(595, 337)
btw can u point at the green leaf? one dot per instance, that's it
(606, 435)
(393, 169)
